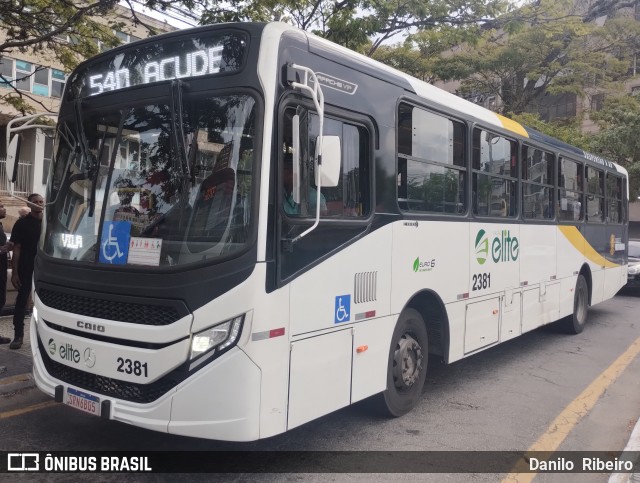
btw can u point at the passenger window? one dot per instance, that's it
(595, 195)
(614, 198)
(431, 162)
(537, 184)
(495, 172)
(570, 191)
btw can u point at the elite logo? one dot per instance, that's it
(67, 352)
(482, 247)
(52, 346)
(504, 247)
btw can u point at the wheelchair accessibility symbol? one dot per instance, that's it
(343, 309)
(114, 246)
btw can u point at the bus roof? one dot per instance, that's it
(436, 95)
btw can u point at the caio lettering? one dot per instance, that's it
(88, 326)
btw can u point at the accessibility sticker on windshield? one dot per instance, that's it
(114, 245)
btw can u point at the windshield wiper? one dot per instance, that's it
(177, 125)
(90, 159)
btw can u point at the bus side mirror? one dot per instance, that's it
(13, 153)
(331, 162)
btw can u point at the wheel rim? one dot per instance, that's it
(407, 362)
(581, 304)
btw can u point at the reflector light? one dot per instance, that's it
(276, 332)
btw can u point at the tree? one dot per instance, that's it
(618, 138)
(67, 31)
(420, 52)
(362, 25)
(546, 47)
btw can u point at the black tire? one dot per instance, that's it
(407, 366)
(574, 323)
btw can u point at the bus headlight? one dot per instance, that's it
(218, 337)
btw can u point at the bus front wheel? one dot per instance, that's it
(407, 366)
(574, 323)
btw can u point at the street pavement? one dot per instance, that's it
(16, 375)
(15, 365)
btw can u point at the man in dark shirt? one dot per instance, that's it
(3, 267)
(24, 236)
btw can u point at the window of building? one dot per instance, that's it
(431, 162)
(23, 75)
(6, 71)
(570, 191)
(595, 195)
(597, 102)
(555, 106)
(41, 81)
(614, 198)
(126, 38)
(537, 186)
(32, 78)
(495, 173)
(57, 83)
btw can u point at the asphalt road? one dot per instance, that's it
(506, 398)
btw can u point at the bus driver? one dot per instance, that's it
(289, 205)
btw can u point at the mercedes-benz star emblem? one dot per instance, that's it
(89, 357)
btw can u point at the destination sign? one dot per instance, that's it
(149, 62)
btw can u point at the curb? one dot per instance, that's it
(15, 383)
(633, 445)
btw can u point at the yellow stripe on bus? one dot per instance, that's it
(513, 126)
(576, 238)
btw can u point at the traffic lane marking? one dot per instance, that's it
(28, 409)
(577, 409)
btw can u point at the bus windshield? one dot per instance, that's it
(148, 185)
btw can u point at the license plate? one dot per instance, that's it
(83, 401)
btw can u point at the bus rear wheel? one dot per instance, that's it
(407, 366)
(574, 323)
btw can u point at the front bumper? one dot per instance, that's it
(220, 401)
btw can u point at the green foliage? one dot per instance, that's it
(362, 25)
(618, 137)
(543, 48)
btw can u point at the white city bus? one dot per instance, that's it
(249, 227)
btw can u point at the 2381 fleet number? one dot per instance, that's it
(481, 281)
(129, 366)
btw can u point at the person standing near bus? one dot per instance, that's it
(24, 236)
(4, 248)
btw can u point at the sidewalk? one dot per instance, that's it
(632, 446)
(15, 365)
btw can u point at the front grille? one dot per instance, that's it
(128, 391)
(122, 311)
